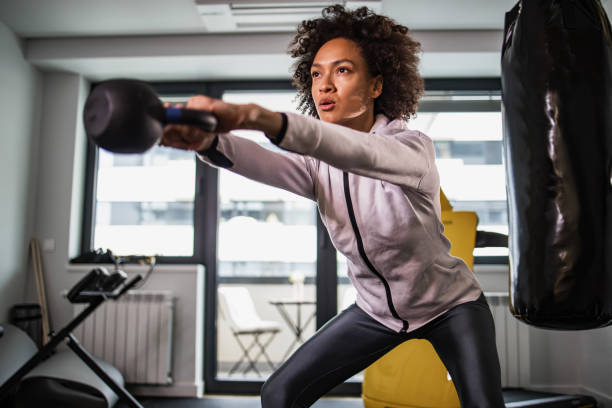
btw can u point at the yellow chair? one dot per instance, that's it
(412, 375)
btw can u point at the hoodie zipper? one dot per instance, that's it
(349, 204)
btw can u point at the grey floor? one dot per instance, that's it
(236, 402)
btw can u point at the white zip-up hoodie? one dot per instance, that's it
(378, 194)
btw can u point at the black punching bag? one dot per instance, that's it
(557, 109)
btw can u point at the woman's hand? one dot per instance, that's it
(193, 138)
(229, 117)
(185, 137)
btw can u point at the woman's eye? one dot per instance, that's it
(314, 74)
(342, 70)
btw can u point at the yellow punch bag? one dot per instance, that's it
(412, 375)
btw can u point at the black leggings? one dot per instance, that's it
(463, 337)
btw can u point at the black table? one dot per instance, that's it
(298, 325)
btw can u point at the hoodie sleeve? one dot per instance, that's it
(403, 158)
(286, 170)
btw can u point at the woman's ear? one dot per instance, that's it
(377, 86)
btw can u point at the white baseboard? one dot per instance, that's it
(605, 400)
(174, 390)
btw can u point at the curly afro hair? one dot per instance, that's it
(387, 47)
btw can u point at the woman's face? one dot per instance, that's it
(342, 87)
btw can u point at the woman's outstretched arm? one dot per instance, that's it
(286, 170)
(403, 158)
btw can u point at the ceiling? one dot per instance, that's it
(60, 18)
(102, 39)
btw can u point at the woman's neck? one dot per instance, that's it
(362, 122)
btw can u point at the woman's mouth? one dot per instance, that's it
(326, 105)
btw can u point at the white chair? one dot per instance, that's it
(239, 310)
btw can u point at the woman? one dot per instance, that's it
(377, 189)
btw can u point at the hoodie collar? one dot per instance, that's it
(382, 122)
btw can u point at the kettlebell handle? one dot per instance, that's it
(191, 117)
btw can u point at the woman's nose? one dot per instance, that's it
(326, 84)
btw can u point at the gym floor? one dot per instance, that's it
(235, 402)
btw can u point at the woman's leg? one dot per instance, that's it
(344, 346)
(464, 338)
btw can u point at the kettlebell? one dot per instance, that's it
(127, 116)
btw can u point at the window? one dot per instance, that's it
(467, 134)
(144, 203)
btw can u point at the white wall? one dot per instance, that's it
(573, 361)
(596, 359)
(60, 183)
(19, 111)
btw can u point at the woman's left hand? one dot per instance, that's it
(229, 116)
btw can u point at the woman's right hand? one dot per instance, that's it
(185, 137)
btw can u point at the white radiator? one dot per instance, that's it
(512, 337)
(134, 334)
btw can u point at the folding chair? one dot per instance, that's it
(238, 308)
